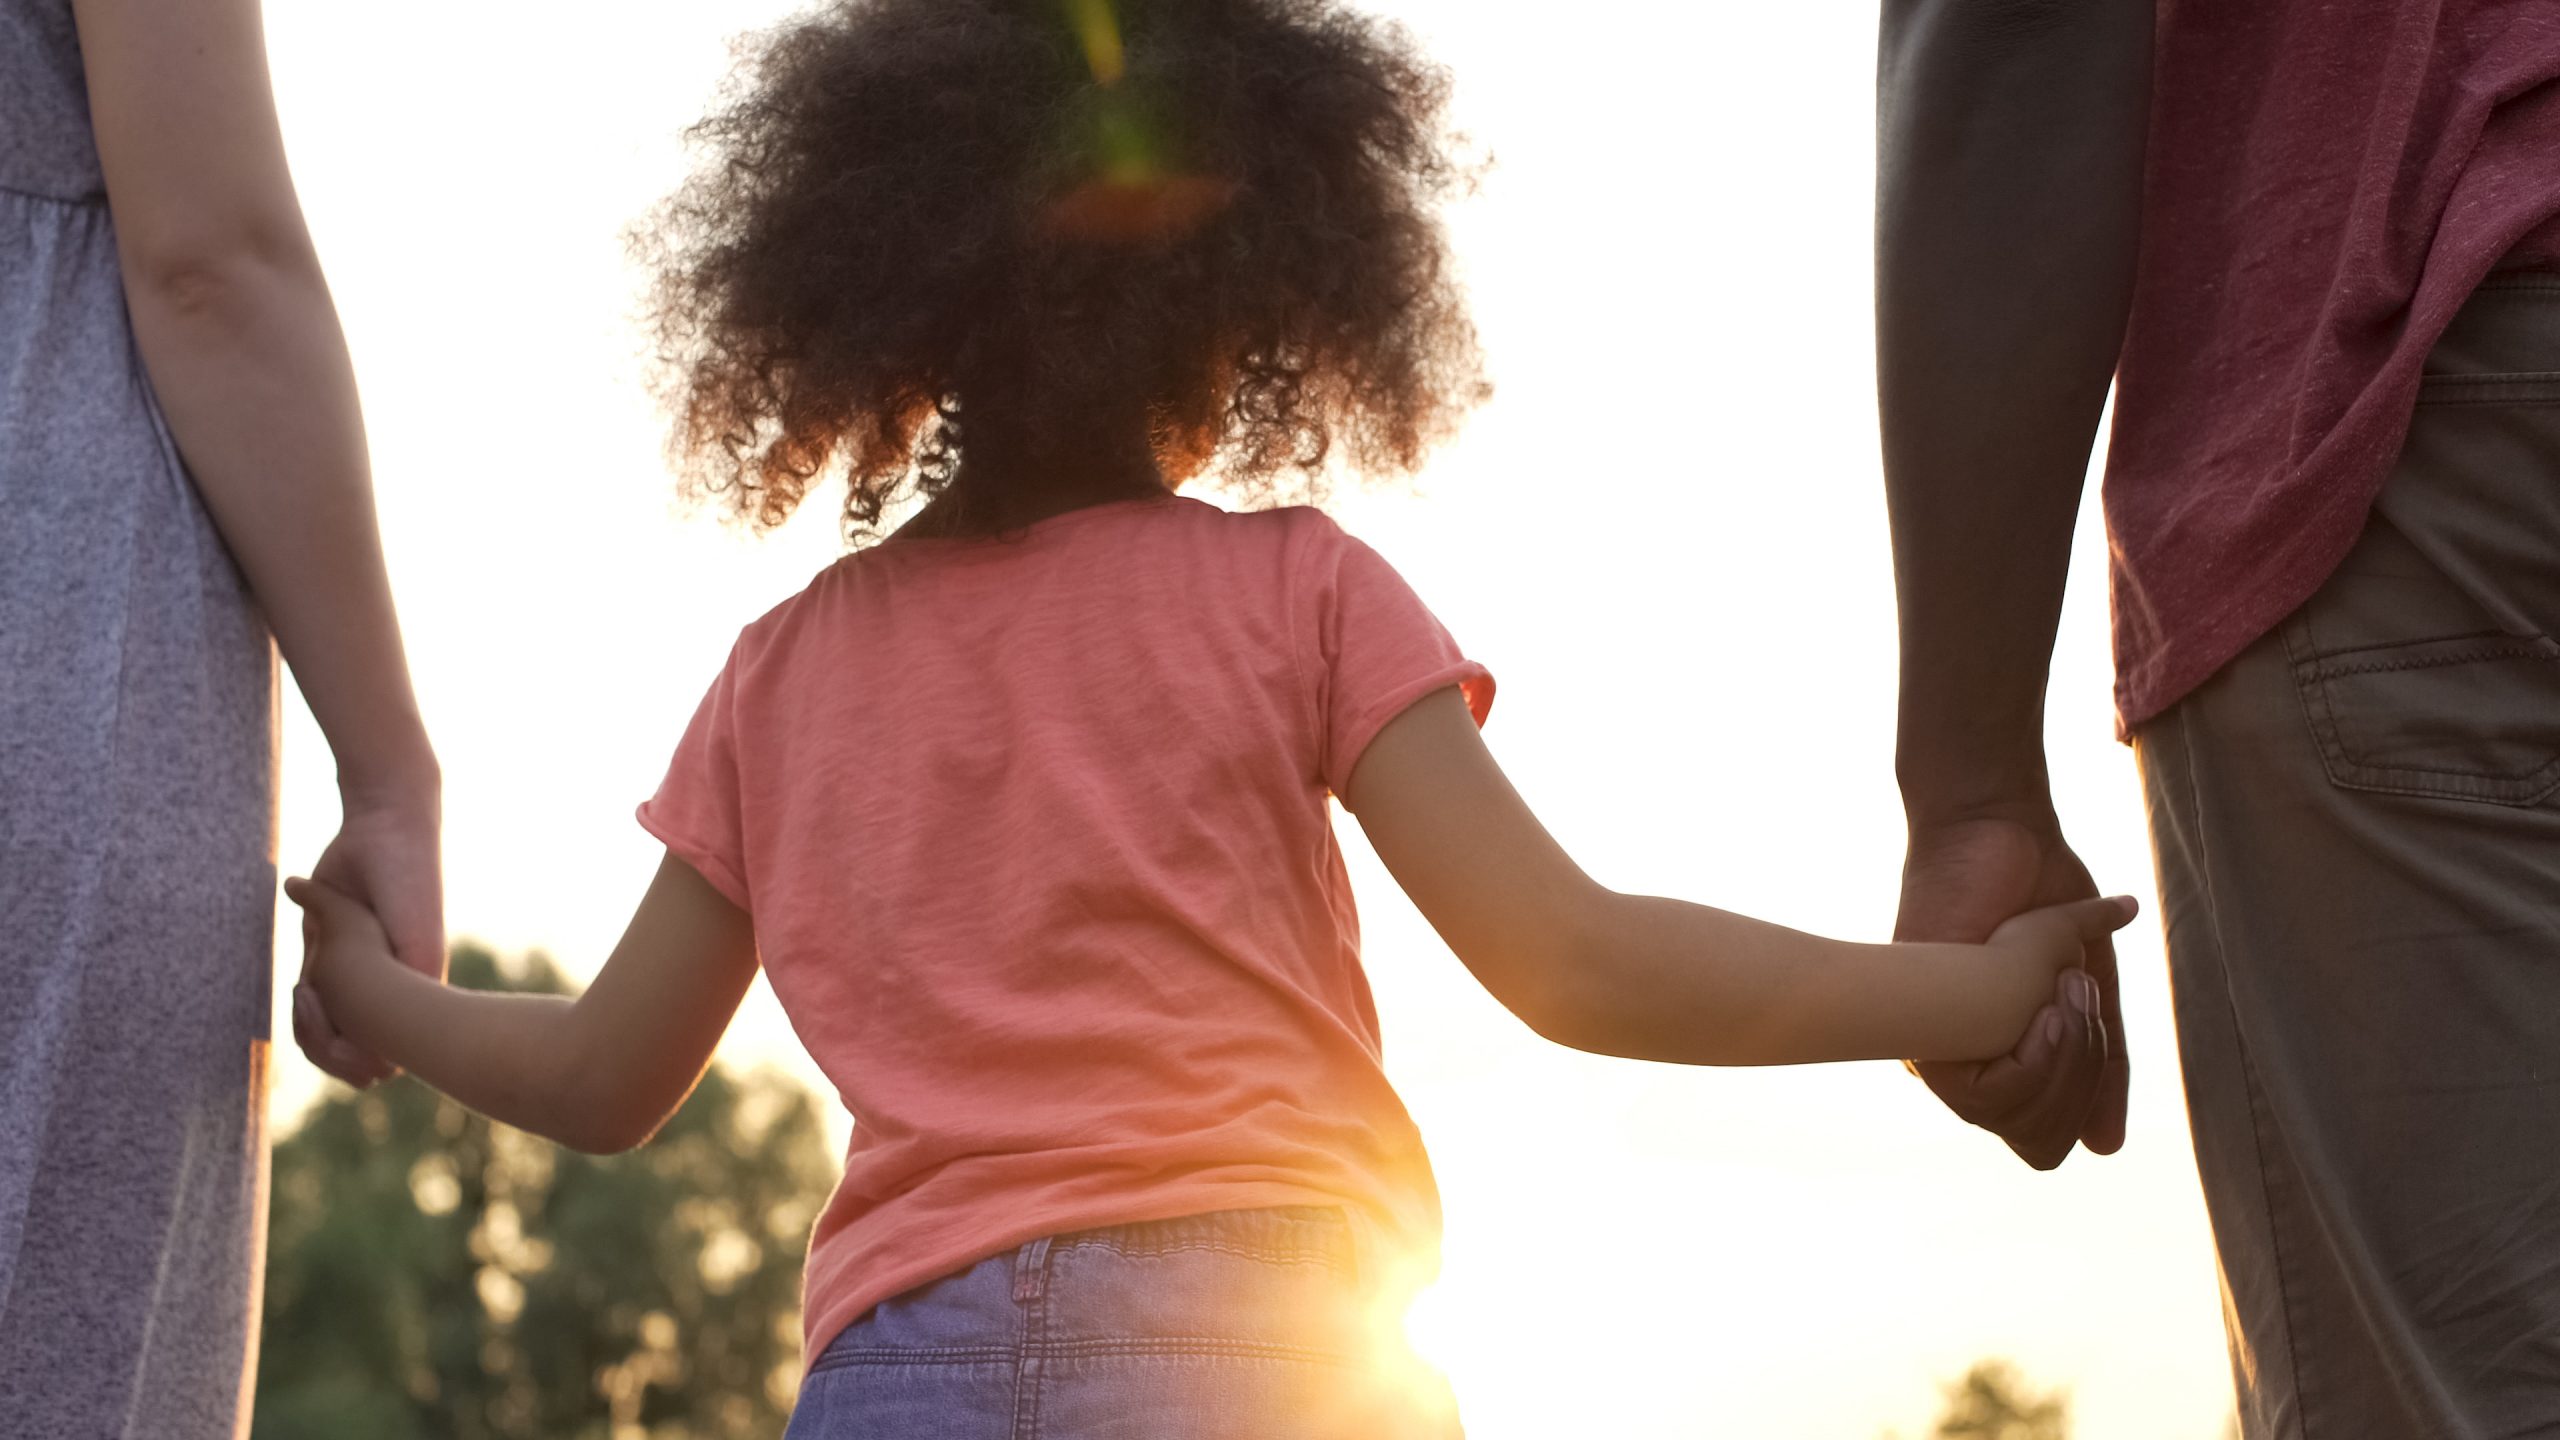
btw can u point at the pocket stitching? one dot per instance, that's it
(2526, 387)
(2311, 676)
(2516, 649)
(2326, 657)
(1274, 1255)
(832, 1359)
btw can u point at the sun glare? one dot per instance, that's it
(1665, 534)
(1430, 1329)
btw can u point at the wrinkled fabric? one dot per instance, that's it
(2328, 182)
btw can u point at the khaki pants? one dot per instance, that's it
(2358, 831)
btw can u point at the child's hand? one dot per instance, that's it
(386, 855)
(2056, 934)
(2054, 940)
(338, 933)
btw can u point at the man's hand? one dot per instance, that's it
(1960, 881)
(388, 858)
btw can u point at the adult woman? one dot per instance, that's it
(181, 466)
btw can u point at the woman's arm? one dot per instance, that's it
(1656, 979)
(244, 351)
(599, 1073)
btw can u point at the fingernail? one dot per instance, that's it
(2082, 992)
(2052, 1028)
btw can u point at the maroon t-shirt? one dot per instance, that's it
(2329, 180)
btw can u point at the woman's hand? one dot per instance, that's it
(387, 858)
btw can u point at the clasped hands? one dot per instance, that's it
(2065, 1083)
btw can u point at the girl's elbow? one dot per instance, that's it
(1572, 1031)
(596, 1113)
(611, 1143)
(606, 1134)
(1557, 993)
(1574, 993)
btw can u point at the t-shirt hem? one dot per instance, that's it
(2169, 673)
(701, 857)
(1471, 679)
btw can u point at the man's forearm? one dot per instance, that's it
(2009, 180)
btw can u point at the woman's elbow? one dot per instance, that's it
(220, 275)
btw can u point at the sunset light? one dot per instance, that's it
(1665, 534)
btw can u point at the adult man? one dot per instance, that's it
(2313, 243)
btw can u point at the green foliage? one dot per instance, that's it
(434, 1276)
(1992, 1402)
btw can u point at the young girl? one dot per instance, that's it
(1024, 809)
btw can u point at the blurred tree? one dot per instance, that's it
(434, 1276)
(1992, 1402)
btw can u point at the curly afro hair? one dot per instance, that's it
(1045, 226)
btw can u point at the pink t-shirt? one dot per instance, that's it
(1035, 834)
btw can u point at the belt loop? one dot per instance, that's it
(1031, 1270)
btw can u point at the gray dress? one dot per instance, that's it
(137, 837)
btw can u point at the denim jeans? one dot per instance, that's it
(1241, 1325)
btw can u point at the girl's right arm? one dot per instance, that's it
(1656, 979)
(600, 1072)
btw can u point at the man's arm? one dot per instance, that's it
(2009, 184)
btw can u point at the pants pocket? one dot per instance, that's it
(1284, 1281)
(2470, 717)
(2427, 665)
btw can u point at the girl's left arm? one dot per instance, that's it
(600, 1072)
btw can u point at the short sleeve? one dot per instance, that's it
(696, 808)
(1380, 650)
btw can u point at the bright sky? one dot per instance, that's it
(1666, 535)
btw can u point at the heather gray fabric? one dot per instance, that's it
(2358, 832)
(137, 738)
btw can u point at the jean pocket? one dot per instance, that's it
(1276, 1282)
